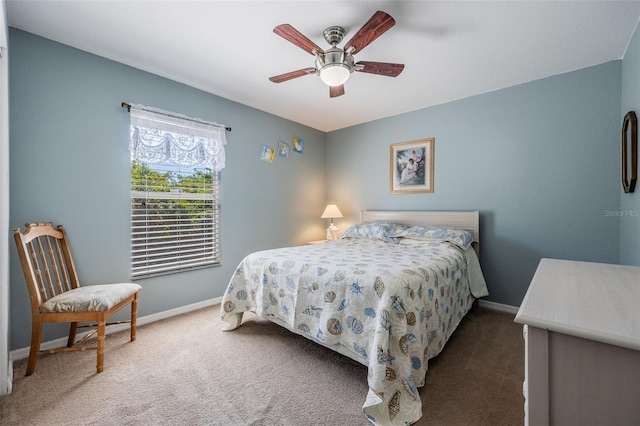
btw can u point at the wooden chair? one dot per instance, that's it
(56, 295)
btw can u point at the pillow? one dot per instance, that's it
(457, 236)
(374, 230)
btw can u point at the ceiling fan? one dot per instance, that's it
(335, 65)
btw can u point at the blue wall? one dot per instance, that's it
(540, 161)
(70, 164)
(630, 202)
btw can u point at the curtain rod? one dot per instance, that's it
(128, 107)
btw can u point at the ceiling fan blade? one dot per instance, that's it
(335, 91)
(380, 68)
(294, 36)
(377, 25)
(291, 75)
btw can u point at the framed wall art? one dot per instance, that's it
(267, 154)
(298, 144)
(283, 150)
(411, 167)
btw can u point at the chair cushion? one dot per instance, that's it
(91, 298)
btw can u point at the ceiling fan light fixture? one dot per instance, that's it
(334, 74)
(334, 65)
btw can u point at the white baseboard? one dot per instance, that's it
(498, 306)
(24, 352)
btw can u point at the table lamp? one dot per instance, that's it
(331, 212)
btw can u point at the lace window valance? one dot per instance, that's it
(159, 136)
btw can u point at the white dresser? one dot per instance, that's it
(582, 344)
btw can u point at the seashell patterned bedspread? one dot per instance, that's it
(389, 306)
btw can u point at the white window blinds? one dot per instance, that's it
(175, 191)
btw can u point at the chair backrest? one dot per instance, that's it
(46, 261)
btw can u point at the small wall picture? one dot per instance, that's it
(283, 150)
(267, 154)
(298, 145)
(411, 166)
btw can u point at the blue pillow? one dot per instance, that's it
(457, 236)
(374, 230)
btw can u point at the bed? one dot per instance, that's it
(388, 294)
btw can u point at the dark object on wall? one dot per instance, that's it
(629, 152)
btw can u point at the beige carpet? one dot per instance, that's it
(185, 371)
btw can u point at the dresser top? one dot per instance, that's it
(595, 301)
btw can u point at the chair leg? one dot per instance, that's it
(36, 335)
(72, 334)
(100, 348)
(134, 316)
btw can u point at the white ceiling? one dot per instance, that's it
(451, 49)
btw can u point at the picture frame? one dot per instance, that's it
(411, 166)
(283, 150)
(267, 154)
(298, 145)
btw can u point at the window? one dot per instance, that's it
(175, 194)
(174, 218)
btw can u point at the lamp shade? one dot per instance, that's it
(330, 212)
(334, 74)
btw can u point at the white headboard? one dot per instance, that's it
(467, 220)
